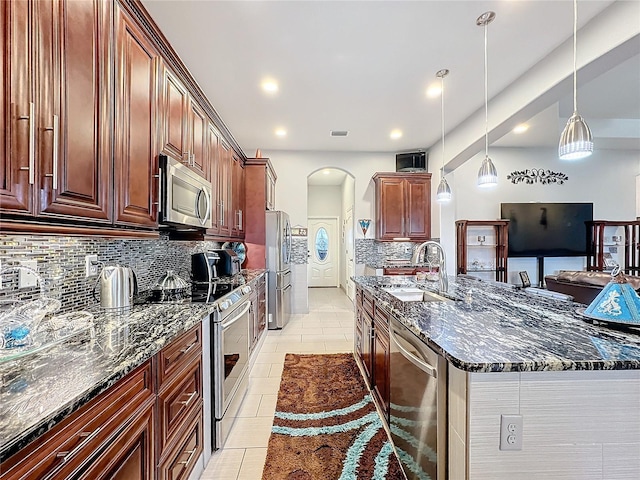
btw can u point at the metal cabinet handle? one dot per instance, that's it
(188, 155)
(88, 436)
(54, 154)
(192, 395)
(193, 159)
(159, 202)
(185, 350)
(190, 452)
(240, 223)
(32, 143)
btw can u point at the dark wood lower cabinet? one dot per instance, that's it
(372, 347)
(130, 456)
(180, 460)
(128, 432)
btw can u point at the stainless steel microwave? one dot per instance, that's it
(185, 196)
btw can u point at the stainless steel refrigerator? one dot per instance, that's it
(278, 243)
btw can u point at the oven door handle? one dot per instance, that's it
(227, 323)
(425, 367)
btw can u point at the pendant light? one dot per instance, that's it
(487, 175)
(576, 141)
(444, 191)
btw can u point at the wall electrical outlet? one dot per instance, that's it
(27, 279)
(90, 265)
(510, 432)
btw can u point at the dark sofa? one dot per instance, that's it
(583, 286)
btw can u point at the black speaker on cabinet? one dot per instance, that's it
(411, 162)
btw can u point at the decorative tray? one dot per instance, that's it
(50, 332)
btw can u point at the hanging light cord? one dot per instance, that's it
(442, 121)
(486, 96)
(575, 67)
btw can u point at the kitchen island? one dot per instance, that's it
(575, 384)
(41, 391)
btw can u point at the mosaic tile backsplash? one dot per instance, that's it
(299, 250)
(61, 262)
(373, 252)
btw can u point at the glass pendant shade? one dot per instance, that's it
(487, 175)
(576, 141)
(444, 192)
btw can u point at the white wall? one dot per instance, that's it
(346, 242)
(607, 178)
(324, 201)
(293, 168)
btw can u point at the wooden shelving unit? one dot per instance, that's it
(496, 233)
(629, 259)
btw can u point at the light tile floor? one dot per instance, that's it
(327, 328)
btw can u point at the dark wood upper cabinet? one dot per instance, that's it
(136, 162)
(198, 124)
(175, 104)
(237, 197)
(214, 162)
(403, 206)
(224, 188)
(17, 159)
(56, 97)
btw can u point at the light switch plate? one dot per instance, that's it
(27, 279)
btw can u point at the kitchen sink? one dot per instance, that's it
(413, 294)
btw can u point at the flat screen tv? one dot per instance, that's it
(547, 229)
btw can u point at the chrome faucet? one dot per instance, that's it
(442, 266)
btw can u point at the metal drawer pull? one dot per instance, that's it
(190, 452)
(88, 436)
(56, 139)
(192, 395)
(185, 350)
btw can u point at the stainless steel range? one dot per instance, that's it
(229, 360)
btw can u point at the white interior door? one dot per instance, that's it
(324, 260)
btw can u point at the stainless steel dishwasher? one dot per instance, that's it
(418, 381)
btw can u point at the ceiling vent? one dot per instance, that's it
(339, 133)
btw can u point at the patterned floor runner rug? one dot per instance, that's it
(326, 426)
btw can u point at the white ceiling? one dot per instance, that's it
(359, 66)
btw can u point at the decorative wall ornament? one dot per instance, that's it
(535, 175)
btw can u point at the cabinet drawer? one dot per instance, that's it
(178, 354)
(177, 401)
(62, 450)
(181, 459)
(382, 317)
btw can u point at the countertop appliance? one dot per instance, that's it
(204, 266)
(418, 419)
(185, 196)
(229, 263)
(278, 246)
(118, 285)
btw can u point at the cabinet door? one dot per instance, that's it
(73, 97)
(213, 154)
(391, 209)
(17, 157)
(136, 162)
(130, 456)
(175, 100)
(198, 123)
(367, 339)
(224, 188)
(237, 199)
(381, 366)
(418, 209)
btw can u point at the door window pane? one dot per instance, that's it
(322, 244)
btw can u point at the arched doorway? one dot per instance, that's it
(330, 205)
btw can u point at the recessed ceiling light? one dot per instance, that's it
(523, 127)
(270, 86)
(434, 91)
(395, 134)
(326, 172)
(281, 132)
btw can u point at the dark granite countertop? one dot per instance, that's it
(502, 329)
(40, 390)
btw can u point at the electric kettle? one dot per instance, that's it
(118, 285)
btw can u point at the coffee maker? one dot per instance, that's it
(204, 266)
